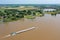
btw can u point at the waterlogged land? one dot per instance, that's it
(11, 14)
(18, 18)
(8, 14)
(47, 28)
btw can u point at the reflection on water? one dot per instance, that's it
(48, 28)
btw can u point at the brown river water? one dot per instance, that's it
(47, 28)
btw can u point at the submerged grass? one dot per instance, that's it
(29, 16)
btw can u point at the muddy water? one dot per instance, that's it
(47, 28)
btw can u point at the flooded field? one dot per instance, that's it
(47, 28)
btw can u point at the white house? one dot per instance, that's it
(49, 10)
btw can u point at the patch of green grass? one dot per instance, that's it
(39, 14)
(29, 16)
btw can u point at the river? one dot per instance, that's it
(47, 28)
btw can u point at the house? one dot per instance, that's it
(49, 10)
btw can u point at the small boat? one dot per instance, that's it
(18, 32)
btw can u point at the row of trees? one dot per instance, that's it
(14, 14)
